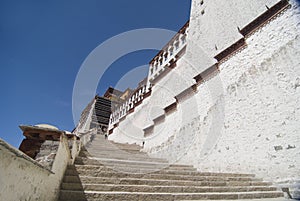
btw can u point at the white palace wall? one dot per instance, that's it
(243, 118)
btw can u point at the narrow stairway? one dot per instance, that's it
(112, 171)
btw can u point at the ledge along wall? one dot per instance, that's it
(231, 104)
(22, 178)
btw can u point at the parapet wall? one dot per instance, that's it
(241, 113)
(22, 178)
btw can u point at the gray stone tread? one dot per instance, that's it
(163, 170)
(122, 172)
(163, 175)
(163, 188)
(145, 166)
(153, 181)
(92, 195)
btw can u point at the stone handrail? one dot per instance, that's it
(163, 60)
(122, 109)
(167, 55)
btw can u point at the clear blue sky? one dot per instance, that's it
(43, 44)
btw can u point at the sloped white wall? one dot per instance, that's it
(246, 118)
(260, 116)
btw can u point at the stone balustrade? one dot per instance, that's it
(168, 54)
(122, 109)
(163, 60)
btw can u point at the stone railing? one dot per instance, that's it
(164, 60)
(23, 178)
(121, 110)
(169, 53)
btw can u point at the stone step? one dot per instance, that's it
(166, 182)
(180, 165)
(91, 169)
(159, 181)
(108, 142)
(140, 166)
(166, 189)
(167, 176)
(122, 172)
(97, 161)
(114, 150)
(67, 195)
(135, 169)
(164, 177)
(122, 156)
(159, 165)
(93, 150)
(150, 167)
(170, 169)
(108, 145)
(135, 157)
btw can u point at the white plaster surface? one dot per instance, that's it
(209, 19)
(245, 119)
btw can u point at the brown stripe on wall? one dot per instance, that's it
(148, 131)
(116, 125)
(231, 50)
(181, 53)
(173, 63)
(186, 93)
(147, 94)
(138, 103)
(123, 118)
(264, 18)
(159, 119)
(207, 74)
(131, 110)
(170, 108)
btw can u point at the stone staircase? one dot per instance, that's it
(111, 171)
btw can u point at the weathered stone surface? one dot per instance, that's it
(23, 178)
(139, 180)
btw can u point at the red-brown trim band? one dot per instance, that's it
(264, 18)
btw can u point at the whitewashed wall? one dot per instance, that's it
(130, 130)
(261, 123)
(215, 23)
(246, 118)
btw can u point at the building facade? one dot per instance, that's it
(224, 92)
